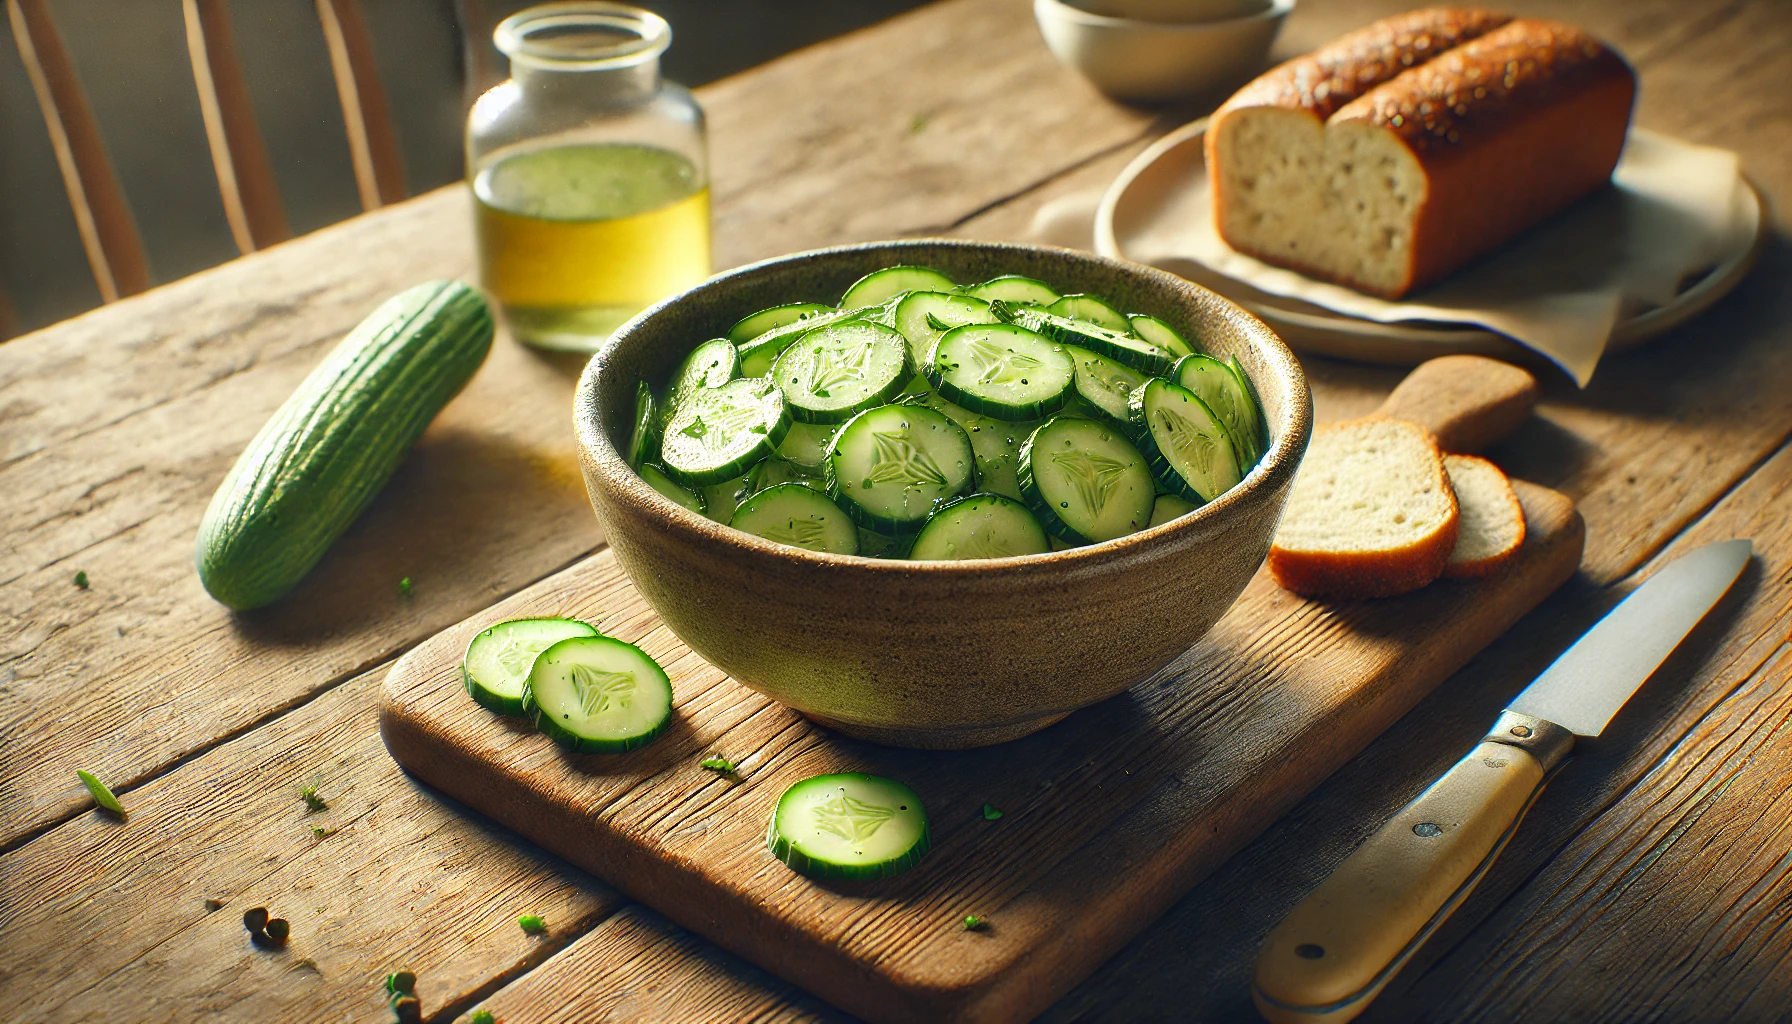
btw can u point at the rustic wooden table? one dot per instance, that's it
(1653, 879)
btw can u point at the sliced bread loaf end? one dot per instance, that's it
(1371, 513)
(1492, 521)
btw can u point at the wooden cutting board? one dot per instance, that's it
(1106, 818)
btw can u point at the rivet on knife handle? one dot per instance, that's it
(1333, 953)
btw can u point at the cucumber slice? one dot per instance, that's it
(1090, 309)
(1001, 370)
(880, 285)
(1085, 481)
(773, 472)
(720, 500)
(807, 443)
(719, 433)
(1190, 452)
(1214, 383)
(755, 324)
(643, 442)
(979, 526)
(1123, 348)
(890, 464)
(1168, 507)
(848, 825)
(1105, 384)
(1259, 428)
(658, 480)
(496, 667)
(598, 695)
(1160, 334)
(710, 365)
(757, 356)
(800, 516)
(923, 316)
(836, 371)
(1015, 288)
(995, 442)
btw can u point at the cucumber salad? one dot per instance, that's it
(925, 419)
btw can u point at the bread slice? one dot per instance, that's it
(1371, 513)
(1491, 526)
(1390, 157)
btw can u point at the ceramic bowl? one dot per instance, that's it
(1131, 59)
(935, 654)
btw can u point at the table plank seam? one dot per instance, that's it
(298, 701)
(1729, 758)
(1697, 517)
(1719, 704)
(1156, 128)
(1689, 33)
(262, 312)
(541, 953)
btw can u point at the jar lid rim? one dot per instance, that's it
(639, 35)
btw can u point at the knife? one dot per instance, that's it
(1332, 954)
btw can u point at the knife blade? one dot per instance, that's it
(1338, 948)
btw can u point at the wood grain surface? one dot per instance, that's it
(113, 432)
(1107, 816)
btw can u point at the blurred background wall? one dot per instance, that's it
(131, 62)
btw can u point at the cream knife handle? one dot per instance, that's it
(1333, 953)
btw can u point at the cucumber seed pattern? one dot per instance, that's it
(831, 368)
(852, 819)
(1110, 377)
(515, 657)
(725, 426)
(597, 690)
(899, 460)
(997, 365)
(1094, 477)
(983, 543)
(801, 533)
(1193, 444)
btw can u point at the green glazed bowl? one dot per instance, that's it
(936, 655)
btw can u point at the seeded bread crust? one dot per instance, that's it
(1489, 509)
(1347, 67)
(1385, 571)
(1509, 121)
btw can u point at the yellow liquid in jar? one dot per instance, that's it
(575, 240)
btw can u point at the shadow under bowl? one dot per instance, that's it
(939, 655)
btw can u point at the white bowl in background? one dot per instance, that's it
(1180, 12)
(1145, 60)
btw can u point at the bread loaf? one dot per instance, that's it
(1392, 156)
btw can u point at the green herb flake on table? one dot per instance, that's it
(101, 794)
(313, 802)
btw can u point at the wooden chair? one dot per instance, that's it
(244, 175)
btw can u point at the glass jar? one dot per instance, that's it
(590, 174)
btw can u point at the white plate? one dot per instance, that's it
(1148, 193)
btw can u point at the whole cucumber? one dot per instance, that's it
(316, 465)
